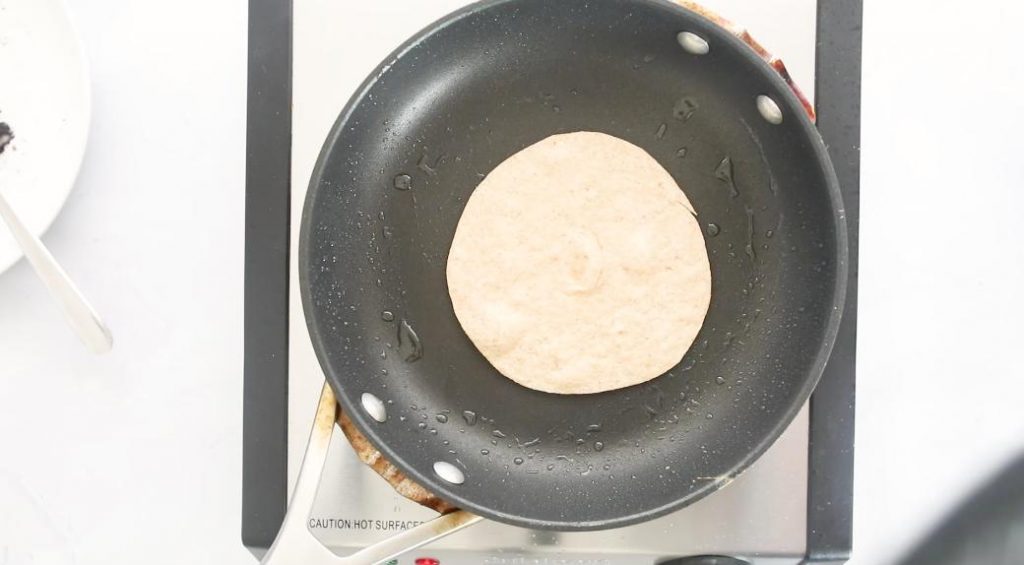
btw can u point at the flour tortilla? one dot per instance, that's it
(578, 266)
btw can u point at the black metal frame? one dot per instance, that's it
(267, 236)
(267, 242)
(830, 459)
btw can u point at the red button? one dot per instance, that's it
(427, 561)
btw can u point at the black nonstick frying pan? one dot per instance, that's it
(464, 95)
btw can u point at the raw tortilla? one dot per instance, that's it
(578, 266)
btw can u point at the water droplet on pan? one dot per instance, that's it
(409, 344)
(685, 108)
(749, 248)
(724, 173)
(403, 182)
(424, 165)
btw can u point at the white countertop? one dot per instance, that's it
(135, 457)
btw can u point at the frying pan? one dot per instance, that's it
(461, 97)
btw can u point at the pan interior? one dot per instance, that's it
(390, 188)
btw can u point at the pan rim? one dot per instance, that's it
(790, 103)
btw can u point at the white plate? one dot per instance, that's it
(44, 97)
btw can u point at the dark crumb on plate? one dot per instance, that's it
(6, 135)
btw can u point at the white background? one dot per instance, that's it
(135, 457)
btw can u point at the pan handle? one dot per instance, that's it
(744, 36)
(296, 544)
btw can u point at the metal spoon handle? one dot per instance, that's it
(81, 316)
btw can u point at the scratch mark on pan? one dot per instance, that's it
(772, 187)
(424, 164)
(749, 249)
